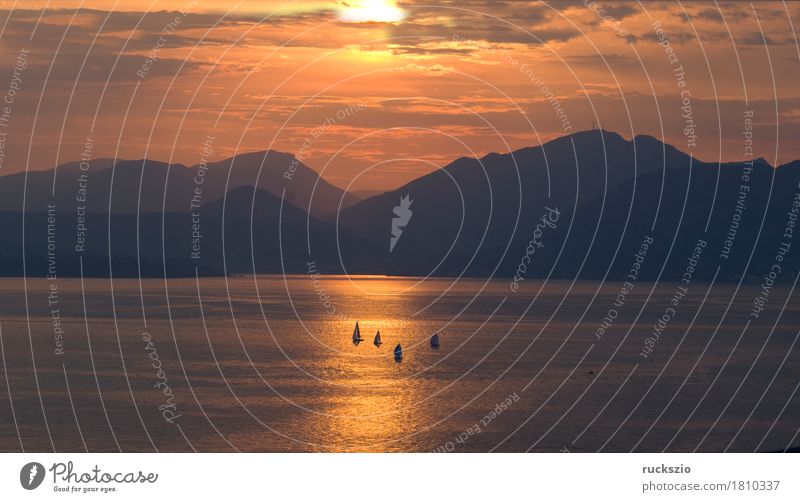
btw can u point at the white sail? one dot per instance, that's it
(378, 339)
(435, 343)
(357, 334)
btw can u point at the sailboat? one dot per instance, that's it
(398, 353)
(357, 334)
(378, 341)
(435, 343)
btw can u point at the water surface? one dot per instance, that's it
(267, 364)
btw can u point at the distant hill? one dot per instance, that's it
(244, 232)
(471, 205)
(474, 217)
(143, 186)
(366, 194)
(477, 217)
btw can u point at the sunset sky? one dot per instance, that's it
(400, 88)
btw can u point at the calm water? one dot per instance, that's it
(267, 365)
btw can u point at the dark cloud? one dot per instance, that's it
(495, 22)
(756, 38)
(621, 11)
(709, 14)
(716, 15)
(491, 32)
(675, 37)
(416, 49)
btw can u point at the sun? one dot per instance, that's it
(375, 11)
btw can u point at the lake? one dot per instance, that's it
(267, 364)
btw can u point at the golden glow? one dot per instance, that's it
(366, 11)
(426, 77)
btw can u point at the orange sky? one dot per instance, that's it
(376, 104)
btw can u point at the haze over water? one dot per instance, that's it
(266, 365)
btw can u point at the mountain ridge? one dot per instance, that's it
(474, 217)
(117, 183)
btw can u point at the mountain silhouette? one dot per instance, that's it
(470, 205)
(474, 217)
(244, 232)
(478, 217)
(143, 186)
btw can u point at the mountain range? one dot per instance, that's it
(267, 212)
(147, 186)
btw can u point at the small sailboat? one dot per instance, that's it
(398, 353)
(357, 334)
(378, 341)
(435, 342)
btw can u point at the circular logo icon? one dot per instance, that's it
(31, 475)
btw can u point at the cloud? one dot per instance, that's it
(449, 50)
(756, 38)
(436, 70)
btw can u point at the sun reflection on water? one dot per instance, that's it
(370, 402)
